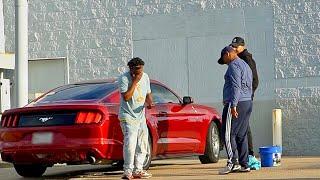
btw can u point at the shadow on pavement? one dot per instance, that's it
(92, 172)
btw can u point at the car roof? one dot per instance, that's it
(96, 81)
(114, 81)
(109, 80)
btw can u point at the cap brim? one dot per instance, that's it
(220, 61)
(234, 44)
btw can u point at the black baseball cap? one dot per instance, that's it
(237, 41)
(223, 52)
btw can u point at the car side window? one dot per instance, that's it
(163, 95)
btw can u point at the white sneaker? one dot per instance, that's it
(127, 176)
(141, 175)
(236, 168)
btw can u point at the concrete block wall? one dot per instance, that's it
(90, 33)
(96, 37)
(297, 65)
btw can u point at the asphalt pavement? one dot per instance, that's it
(180, 169)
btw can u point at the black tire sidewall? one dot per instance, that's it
(30, 170)
(147, 163)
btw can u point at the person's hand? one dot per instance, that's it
(224, 102)
(234, 112)
(149, 106)
(136, 78)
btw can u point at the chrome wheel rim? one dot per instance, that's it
(148, 156)
(215, 142)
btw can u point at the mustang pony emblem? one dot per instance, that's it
(45, 119)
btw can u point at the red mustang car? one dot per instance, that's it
(78, 124)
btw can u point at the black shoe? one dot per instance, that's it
(244, 169)
(251, 153)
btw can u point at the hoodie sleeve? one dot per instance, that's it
(235, 78)
(255, 79)
(247, 57)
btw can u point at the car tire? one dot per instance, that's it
(118, 165)
(212, 150)
(31, 170)
(148, 159)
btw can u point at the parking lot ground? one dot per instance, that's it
(184, 168)
(190, 168)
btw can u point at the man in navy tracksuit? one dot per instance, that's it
(237, 100)
(238, 44)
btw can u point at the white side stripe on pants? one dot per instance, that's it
(228, 135)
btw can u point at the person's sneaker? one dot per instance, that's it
(127, 176)
(226, 170)
(141, 175)
(236, 168)
(251, 153)
(244, 169)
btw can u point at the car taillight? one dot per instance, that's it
(9, 120)
(85, 117)
(3, 121)
(15, 121)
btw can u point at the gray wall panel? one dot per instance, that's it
(165, 61)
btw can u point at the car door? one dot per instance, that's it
(176, 125)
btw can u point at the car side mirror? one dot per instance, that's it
(187, 100)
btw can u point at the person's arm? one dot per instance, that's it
(126, 90)
(255, 79)
(235, 77)
(149, 99)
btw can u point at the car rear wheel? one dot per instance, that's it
(32, 170)
(212, 150)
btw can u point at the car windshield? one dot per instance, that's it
(78, 92)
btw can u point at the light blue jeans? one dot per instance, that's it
(135, 144)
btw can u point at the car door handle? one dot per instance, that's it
(163, 113)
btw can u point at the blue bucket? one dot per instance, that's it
(270, 156)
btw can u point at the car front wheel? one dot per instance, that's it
(212, 150)
(148, 159)
(32, 170)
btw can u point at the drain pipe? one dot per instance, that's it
(2, 39)
(21, 51)
(277, 127)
